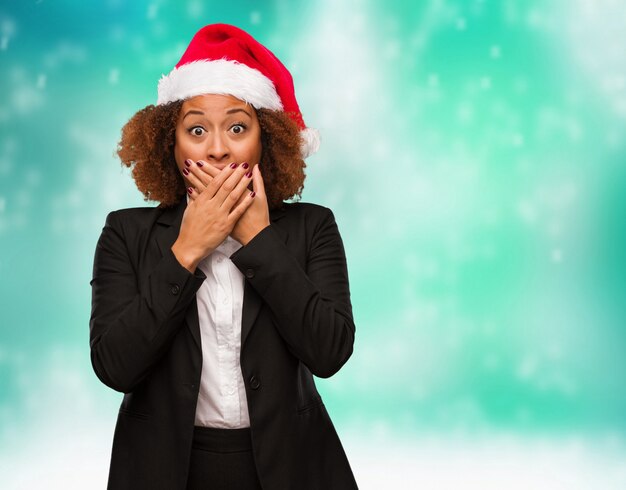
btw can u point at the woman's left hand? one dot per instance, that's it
(254, 219)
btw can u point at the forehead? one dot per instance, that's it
(214, 104)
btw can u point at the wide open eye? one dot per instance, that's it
(238, 128)
(197, 131)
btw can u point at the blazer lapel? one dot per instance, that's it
(168, 226)
(169, 221)
(166, 234)
(251, 300)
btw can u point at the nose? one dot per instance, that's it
(217, 150)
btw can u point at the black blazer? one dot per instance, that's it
(145, 342)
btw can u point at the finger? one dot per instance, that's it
(198, 171)
(236, 194)
(208, 168)
(257, 181)
(216, 183)
(231, 182)
(238, 210)
(194, 180)
(192, 193)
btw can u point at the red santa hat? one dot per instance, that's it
(223, 59)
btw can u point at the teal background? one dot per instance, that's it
(474, 155)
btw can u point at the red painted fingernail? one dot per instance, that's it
(186, 171)
(245, 165)
(200, 164)
(188, 162)
(190, 190)
(252, 194)
(233, 165)
(248, 174)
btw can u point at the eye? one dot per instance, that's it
(197, 131)
(238, 128)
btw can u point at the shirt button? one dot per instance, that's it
(175, 289)
(254, 383)
(219, 259)
(250, 273)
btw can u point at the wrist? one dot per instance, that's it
(254, 232)
(186, 257)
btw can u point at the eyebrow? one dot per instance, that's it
(230, 111)
(193, 112)
(238, 109)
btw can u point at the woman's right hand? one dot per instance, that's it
(210, 218)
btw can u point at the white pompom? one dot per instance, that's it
(310, 142)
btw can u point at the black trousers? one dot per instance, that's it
(221, 459)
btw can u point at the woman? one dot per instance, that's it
(212, 311)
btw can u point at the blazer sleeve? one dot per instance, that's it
(311, 307)
(130, 329)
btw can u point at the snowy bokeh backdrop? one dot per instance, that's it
(474, 154)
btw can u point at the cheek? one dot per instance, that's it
(256, 154)
(255, 150)
(179, 157)
(179, 149)
(183, 150)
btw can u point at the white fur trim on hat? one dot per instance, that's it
(223, 76)
(310, 141)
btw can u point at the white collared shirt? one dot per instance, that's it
(222, 399)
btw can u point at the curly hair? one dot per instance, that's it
(147, 147)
